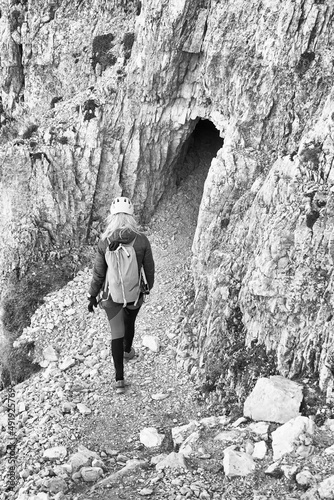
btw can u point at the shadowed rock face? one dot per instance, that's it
(115, 95)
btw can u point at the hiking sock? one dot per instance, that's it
(117, 355)
(129, 324)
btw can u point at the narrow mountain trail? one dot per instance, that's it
(158, 394)
(150, 373)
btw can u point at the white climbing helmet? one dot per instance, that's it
(120, 205)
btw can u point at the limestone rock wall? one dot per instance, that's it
(98, 98)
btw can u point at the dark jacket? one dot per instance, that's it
(144, 256)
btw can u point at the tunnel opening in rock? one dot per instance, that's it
(198, 151)
(179, 205)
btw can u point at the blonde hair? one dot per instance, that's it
(120, 222)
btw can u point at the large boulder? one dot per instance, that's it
(274, 399)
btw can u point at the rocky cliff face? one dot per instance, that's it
(101, 98)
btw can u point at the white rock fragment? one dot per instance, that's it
(83, 458)
(91, 474)
(153, 343)
(158, 458)
(304, 477)
(50, 354)
(159, 396)
(104, 354)
(213, 421)
(40, 496)
(67, 363)
(83, 409)
(329, 450)
(150, 437)
(180, 433)
(78, 460)
(284, 439)
(237, 463)
(145, 492)
(260, 450)
(239, 421)
(228, 436)
(289, 471)
(3, 421)
(55, 453)
(326, 488)
(97, 463)
(21, 407)
(276, 399)
(187, 447)
(260, 429)
(274, 470)
(70, 312)
(172, 461)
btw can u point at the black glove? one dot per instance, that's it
(92, 303)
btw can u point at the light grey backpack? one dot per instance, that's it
(123, 277)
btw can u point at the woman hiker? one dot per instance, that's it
(121, 229)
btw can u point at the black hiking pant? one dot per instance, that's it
(122, 326)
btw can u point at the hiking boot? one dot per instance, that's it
(120, 387)
(130, 355)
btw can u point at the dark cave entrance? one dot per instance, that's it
(198, 151)
(183, 193)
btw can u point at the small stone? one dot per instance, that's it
(260, 428)
(187, 446)
(44, 363)
(56, 484)
(239, 421)
(67, 407)
(145, 492)
(290, 471)
(304, 477)
(67, 363)
(249, 446)
(91, 474)
(285, 437)
(76, 476)
(326, 488)
(151, 342)
(97, 463)
(104, 354)
(55, 453)
(24, 474)
(173, 461)
(83, 409)
(59, 496)
(228, 436)
(50, 354)
(158, 458)
(21, 407)
(159, 396)
(111, 452)
(180, 433)
(150, 437)
(304, 451)
(40, 496)
(260, 450)
(70, 312)
(237, 463)
(274, 470)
